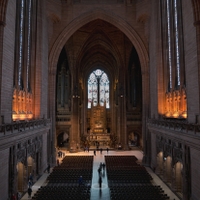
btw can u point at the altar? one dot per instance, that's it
(98, 134)
(99, 139)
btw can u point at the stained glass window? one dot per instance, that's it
(173, 41)
(98, 89)
(28, 44)
(169, 42)
(21, 42)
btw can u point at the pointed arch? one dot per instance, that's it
(78, 22)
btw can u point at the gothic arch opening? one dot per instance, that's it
(99, 45)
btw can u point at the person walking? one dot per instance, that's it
(100, 165)
(94, 152)
(107, 149)
(29, 192)
(31, 178)
(48, 168)
(100, 182)
(103, 166)
(99, 171)
(29, 183)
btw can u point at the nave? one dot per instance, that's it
(115, 184)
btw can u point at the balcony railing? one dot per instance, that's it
(176, 125)
(20, 126)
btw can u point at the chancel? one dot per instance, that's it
(110, 81)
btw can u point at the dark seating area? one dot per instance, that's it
(129, 180)
(62, 193)
(63, 181)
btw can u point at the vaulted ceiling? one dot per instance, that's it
(99, 44)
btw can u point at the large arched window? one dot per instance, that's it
(98, 88)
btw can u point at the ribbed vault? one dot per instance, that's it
(98, 44)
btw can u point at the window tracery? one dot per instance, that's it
(98, 89)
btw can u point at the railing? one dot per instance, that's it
(175, 125)
(20, 126)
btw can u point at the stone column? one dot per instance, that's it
(13, 170)
(145, 115)
(186, 174)
(74, 139)
(122, 114)
(51, 151)
(196, 12)
(123, 132)
(2, 24)
(74, 136)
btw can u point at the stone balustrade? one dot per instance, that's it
(175, 125)
(21, 126)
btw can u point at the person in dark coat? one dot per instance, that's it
(107, 150)
(29, 192)
(103, 166)
(48, 168)
(100, 182)
(99, 171)
(31, 178)
(29, 183)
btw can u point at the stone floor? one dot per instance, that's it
(103, 194)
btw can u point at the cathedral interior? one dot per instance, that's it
(117, 74)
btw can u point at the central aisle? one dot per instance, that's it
(96, 192)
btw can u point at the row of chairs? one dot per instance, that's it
(66, 176)
(63, 183)
(121, 161)
(129, 180)
(63, 193)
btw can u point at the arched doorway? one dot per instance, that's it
(167, 161)
(159, 166)
(133, 139)
(31, 172)
(22, 180)
(63, 140)
(178, 178)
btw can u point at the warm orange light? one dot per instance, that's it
(176, 104)
(22, 105)
(16, 117)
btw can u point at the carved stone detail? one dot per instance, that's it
(21, 155)
(178, 155)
